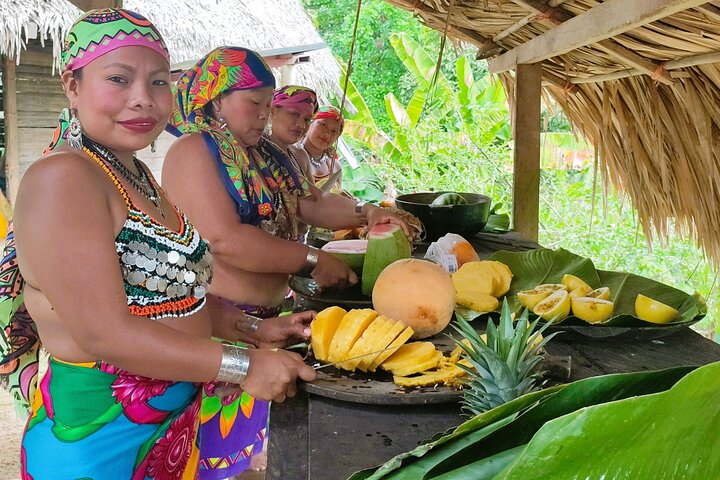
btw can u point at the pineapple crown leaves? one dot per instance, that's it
(504, 365)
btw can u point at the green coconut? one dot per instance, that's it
(352, 252)
(386, 244)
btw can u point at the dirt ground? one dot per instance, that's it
(11, 431)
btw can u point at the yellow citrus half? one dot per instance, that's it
(592, 310)
(556, 307)
(573, 283)
(653, 311)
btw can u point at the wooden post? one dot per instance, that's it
(12, 151)
(526, 166)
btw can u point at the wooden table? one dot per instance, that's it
(319, 438)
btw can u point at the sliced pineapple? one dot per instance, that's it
(409, 368)
(475, 276)
(478, 301)
(391, 348)
(323, 329)
(408, 354)
(393, 330)
(365, 344)
(445, 373)
(349, 331)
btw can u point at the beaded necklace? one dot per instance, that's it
(141, 182)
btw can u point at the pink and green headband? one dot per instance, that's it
(103, 30)
(295, 96)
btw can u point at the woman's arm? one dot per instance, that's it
(192, 182)
(329, 210)
(65, 237)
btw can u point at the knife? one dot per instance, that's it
(318, 366)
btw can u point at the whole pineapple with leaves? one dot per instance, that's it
(504, 365)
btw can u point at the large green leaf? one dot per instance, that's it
(496, 416)
(668, 435)
(512, 425)
(543, 265)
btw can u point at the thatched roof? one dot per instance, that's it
(191, 29)
(657, 127)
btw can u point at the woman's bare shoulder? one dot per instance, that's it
(186, 148)
(63, 173)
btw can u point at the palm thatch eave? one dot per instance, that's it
(190, 28)
(658, 133)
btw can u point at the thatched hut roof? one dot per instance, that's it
(646, 94)
(191, 29)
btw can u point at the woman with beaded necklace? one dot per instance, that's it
(317, 148)
(114, 277)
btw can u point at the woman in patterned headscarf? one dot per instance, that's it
(246, 195)
(114, 278)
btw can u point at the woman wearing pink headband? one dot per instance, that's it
(319, 145)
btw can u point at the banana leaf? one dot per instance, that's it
(514, 424)
(668, 435)
(543, 265)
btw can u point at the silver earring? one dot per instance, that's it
(221, 119)
(74, 134)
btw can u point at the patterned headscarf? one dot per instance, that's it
(103, 30)
(330, 112)
(99, 32)
(301, 98)
(250, 184)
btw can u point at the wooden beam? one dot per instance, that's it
(606, 20)
(526, 165)
(86, 5)
(692, 61)
(12, 147)
(552, 18)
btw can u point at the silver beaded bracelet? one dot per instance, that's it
(234, 365)
(248, 323)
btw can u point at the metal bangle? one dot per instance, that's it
(248, 323)
(234, 365)
(312, 258)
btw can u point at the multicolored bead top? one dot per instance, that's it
(166, 273)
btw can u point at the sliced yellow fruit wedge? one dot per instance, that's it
(653, 311)
(556, 307)
(323, 329)
(580, 291)
(592, 310)
(393, 329)
(573, 283)
(349, 331)
(530, 298)
(477, 301)
(392, 348)
(602, 293)
(553, 287)
(409, 354)
(417, 367)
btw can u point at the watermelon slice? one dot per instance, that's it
(352, 252)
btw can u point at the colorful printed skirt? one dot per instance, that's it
(95, 421)
(233, 428)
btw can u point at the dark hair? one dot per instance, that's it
(77, 74)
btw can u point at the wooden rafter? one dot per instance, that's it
(550, 17)
(606, 20)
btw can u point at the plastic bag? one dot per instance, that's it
(451, 251)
